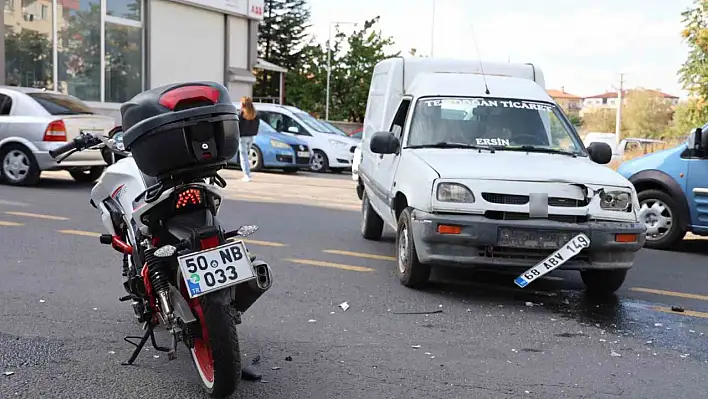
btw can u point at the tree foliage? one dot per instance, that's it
(646, 114)
(600, 120)
(694, 72)
(282, 40)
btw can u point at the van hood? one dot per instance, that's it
(517, 166)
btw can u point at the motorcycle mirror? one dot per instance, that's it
(165, 251)
(245, 231)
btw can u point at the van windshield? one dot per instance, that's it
(313, 123)
(503, 124)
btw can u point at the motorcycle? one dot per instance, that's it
(159, 201)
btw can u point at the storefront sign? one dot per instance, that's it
(256, 9)
(248, 8)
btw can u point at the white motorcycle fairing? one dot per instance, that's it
(118, 187)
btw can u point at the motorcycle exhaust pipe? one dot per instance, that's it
(248, 293)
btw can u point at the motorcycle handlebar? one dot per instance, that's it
(78, 143)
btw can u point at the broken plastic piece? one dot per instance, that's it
(8, 373)
(344, 306)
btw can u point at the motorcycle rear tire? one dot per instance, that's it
(219, 319)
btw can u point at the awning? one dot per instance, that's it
(269, 66)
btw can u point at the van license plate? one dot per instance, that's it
(556, 259)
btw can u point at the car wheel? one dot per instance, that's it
(371, 223)
(319, 162)
(603, 282)
(19, 166)
(411, 272)
(255, 159)
(87, 175)
(659, 213)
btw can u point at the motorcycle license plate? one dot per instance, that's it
(216, 268)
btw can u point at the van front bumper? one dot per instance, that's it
(478, 242)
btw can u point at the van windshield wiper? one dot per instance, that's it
(447, 144)
(531, 148)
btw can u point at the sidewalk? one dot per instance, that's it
(335, 191)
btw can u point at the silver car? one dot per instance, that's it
(34, 121)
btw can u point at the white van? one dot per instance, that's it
(330, 151)
(475, 169)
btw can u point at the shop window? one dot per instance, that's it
(124, 62)
(28, 45)
(127, 9)
(79, 49)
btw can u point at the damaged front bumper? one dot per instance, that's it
(475, 240)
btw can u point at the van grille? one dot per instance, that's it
(511, 199)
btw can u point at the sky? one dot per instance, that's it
(581, 46)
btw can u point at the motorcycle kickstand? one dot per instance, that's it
(149, 334)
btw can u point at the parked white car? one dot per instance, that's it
(35, 121)
(330, 150)
(474, 170)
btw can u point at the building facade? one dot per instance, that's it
(610, 99)
(106, 51)
(570, 103)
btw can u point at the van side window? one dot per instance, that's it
(5, 104)
(399, 121)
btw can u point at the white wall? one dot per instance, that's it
(238, 42)
(186, 44)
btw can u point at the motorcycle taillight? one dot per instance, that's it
(189, 198)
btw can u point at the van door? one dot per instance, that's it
(386, 166)
(697, 190)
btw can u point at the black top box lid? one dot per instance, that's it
(171, 103)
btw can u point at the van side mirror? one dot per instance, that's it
(384, 143)
(600, 152)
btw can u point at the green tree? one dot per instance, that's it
(688, 116)
(600, 120)
(646, 115)
(694, 72)
(366, 47)
(282, 40)
(28, 59)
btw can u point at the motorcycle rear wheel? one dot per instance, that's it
(217, 358)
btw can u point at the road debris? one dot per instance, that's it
(677, 308)
(529, 304)
(344, 306)
(156, 356)
(111, 353)
(415, 346)
(288, 358)
(426, 313)
(256, 360)
(8, 373)
(658, 325)
(275, 368)
(312, 321)
(41, 301)
(685, 355)
(615, 354)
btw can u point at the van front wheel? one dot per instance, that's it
(411, 272)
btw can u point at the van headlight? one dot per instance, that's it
(454, 192)
(616, 201)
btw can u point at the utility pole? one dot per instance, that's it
(432, 33)
(618, 123)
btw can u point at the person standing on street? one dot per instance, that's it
(248, 122)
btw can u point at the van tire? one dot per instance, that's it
(677, 231)
(603, 282)
(371, 223)
(411, 272)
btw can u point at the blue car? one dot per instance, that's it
(672, 186)
(275, 150)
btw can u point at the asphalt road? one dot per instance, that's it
(62, 326)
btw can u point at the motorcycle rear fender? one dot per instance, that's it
(193, 227)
